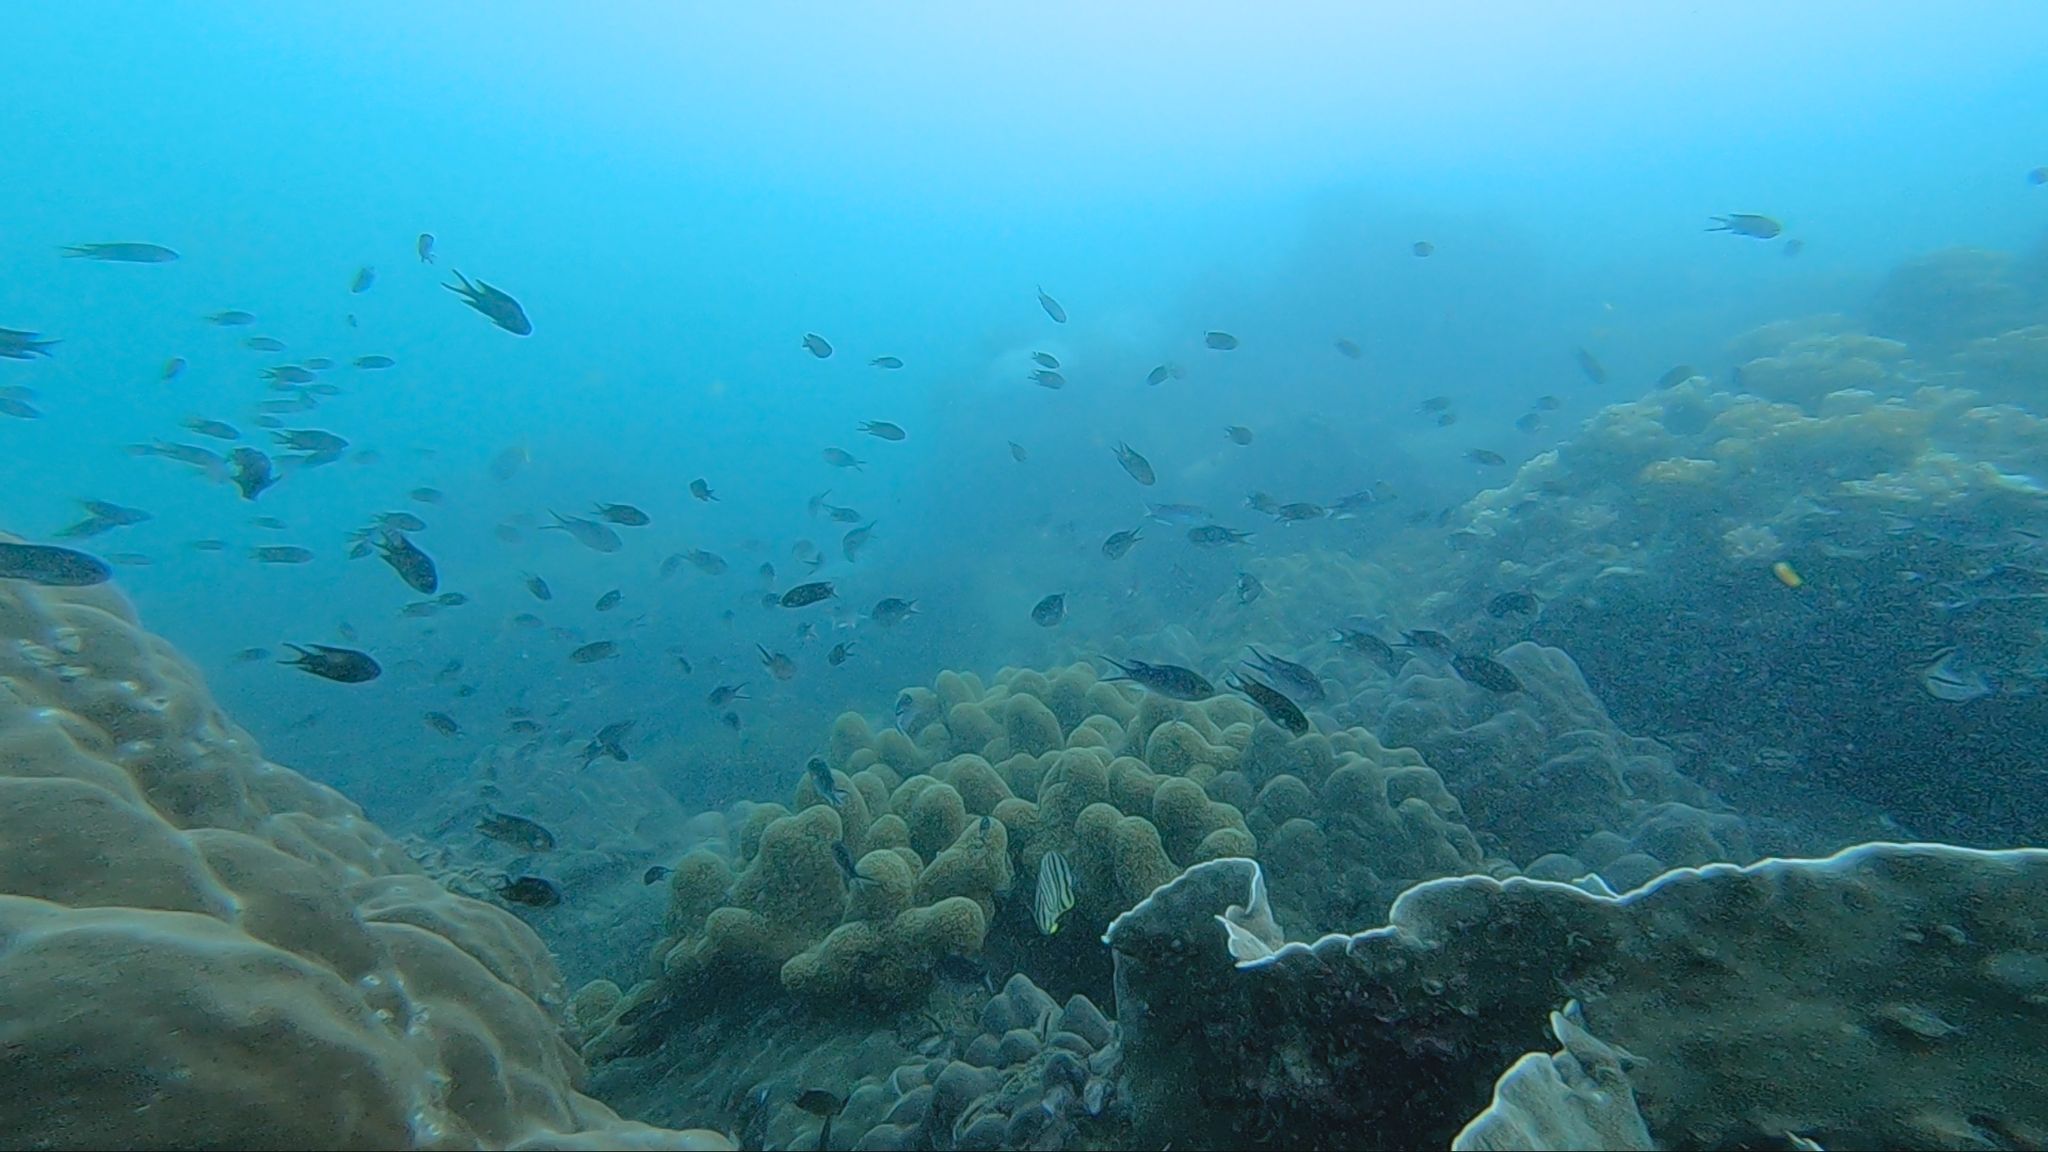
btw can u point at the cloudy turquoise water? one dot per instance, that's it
(677, 194)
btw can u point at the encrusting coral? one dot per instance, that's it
(1873, 999)
(199, 948)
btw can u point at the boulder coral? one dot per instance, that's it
(1035, 1074)
(1548, 771)
(200, 948)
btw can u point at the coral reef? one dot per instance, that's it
(1871, 999)
(1039, 1074)
(1577, 1098)
(1870, 466)
(1542, 776)
(1544, 772)
(973, 1066)
(1938, 301)
(1845, 542)
(1762, 565)
(199, 948)
(609, 827)
(945, 823)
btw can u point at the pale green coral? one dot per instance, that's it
(889, 832)
(794, 881)
(1190, 774)
(1184, 815)
(952, 926)
(975, 865)
(1130, 787)
(887, 886)
(1177, 748)
(1133, 786)
(1223, 842)
(1025, 775)
(886, 962)
(898, 751)
(754, 824)
(592, 1004)
(970, 728)
(1284, 798)
(849, 734)
(700, 883)
(846, 961)
(955, 688)
(936, 816)
(1030, 726)
(980, 787)
(1141, 862)
(854, 812)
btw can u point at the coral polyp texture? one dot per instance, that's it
(945, 823)
(199, 948)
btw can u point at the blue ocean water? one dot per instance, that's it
(1406, 269)
(679, 195)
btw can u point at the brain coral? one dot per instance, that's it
(199, 948)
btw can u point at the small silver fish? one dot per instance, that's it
(127, 253)
(1249, 588)
(1747, 224)
(1951, 678)
(589, 533)
(1048, 613)
(1139, 468)
(1052, 307)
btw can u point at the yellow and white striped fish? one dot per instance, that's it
(1055, 892)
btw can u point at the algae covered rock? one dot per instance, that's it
(1731, 987)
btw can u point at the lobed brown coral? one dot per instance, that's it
(946, 826)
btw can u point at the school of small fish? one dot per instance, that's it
(288, 387)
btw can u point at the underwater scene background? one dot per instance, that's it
(934, 577)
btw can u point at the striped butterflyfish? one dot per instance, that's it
(1055, 892)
